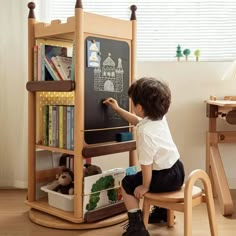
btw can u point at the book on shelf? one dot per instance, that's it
(64, 127)
(61, 126)
(55, 133)
(58, 126)
(52, 51)
(35, 62)
(72, 74)
(45, 124)
(69, 127)
(63, 66)
(50, 126)
(51, 69)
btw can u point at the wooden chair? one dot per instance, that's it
(184, 200)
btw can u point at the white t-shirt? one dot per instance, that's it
(155, 144)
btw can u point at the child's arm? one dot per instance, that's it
(147, 177)
(130, 117)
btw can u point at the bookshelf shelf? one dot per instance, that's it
(55, 149)
(108, 148)
(55, 86)
(42, 205)
(74, 31)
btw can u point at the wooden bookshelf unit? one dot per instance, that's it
(75, 31)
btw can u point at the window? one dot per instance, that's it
(208, 25)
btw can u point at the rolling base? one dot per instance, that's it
(51, 221)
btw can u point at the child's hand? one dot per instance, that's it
(140, 191)
(112, 102)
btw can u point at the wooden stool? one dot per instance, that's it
(184, 200)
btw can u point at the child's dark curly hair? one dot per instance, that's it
(153, 95)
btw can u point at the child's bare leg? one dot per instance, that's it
(130, 201)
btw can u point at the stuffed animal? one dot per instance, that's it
(91, 170)
(65, 182)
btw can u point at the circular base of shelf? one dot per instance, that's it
(51, 221)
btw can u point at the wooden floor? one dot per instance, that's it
(14, 221)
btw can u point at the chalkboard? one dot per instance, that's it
(106, 75)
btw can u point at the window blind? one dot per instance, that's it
(207, 25)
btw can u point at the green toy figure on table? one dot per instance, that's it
(161, 169)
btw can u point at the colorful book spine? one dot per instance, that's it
(57, 67)
(50, 126)
(61, 127)
(73, 63)
(35, 62)
(42, 46)
(65, 65)
(51, 69)
(55, 132)
(72, 128)
(45, 124)
(39, 63)
(64, 127)
(68, 134)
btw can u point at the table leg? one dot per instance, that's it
(221, 183)
(210, 137)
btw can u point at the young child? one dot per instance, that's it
(161, 169)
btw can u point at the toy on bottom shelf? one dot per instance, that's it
(65, 182)
(91, 170)
(102, 189)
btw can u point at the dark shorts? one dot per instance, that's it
(166, 180)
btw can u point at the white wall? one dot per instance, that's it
(13, 103)
(191, 83)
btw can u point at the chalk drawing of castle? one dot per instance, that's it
(109, 77)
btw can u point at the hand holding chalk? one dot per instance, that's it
(112, 103)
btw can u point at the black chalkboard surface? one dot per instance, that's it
(106, 75)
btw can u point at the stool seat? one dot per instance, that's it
(175, 196)
(184, 200)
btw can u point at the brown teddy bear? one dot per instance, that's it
(65, 182)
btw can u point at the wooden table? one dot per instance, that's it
(226, 110)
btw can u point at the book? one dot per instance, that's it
(35, 62)
(45, 124)
(50, 126)
(57, 66)
(64, 65)
(64, 127)
(61, 126)
(50, 68)
(102, 189)
(41, 62)
(48, 52)
(72, 129)
(55, 112)
(68, 127)
(72, 75)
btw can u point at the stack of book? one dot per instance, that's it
(52, 63)
(58, 126)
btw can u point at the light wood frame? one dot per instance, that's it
(76, 28)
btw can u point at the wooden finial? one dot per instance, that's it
(31, 6)
(78, 4)
(133, 8)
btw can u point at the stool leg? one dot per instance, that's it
(188, 214)
(146, 209)
(170, 218)
(211, 210)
